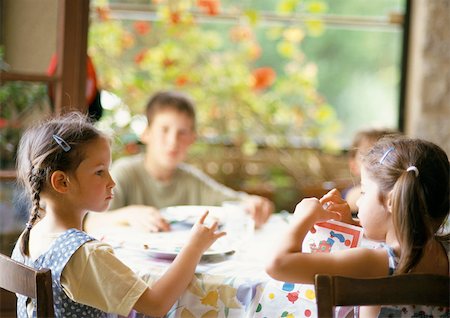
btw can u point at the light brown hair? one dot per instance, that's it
(420, 199)
(170, 100)
(55, 144)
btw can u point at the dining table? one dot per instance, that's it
(230, 281)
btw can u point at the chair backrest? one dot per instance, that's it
(404, 289)
(21, 279)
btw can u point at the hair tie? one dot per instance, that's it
(62, 143)
(385, 154)
(413, 168)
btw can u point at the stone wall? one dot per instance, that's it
(428, 97)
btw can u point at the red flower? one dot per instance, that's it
(210, 7)
(263, 77)
(102, 13)
(3, 122)
(141, 27)
(140, 56)
(175, 17)
(167, 62)
(182, 80)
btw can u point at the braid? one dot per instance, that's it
(36, 178)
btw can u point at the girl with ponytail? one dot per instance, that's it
(404, 205)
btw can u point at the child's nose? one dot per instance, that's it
(172, 139)
(112, 184)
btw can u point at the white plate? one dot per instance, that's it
(189, 214)
(171, 254)
(165, 245)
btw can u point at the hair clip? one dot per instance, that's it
(62, 143)
(413, 168)
(385, 154)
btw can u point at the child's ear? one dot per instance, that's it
(59, 181)
(389, 202)
(144, 135)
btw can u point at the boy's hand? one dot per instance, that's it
(202, 236)
(259, 208)
(143, 218)
(139, 217)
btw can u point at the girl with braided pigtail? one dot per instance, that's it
(404, 204)
(35, 181)
(64, 165)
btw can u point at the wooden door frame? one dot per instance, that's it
(71, 49)
(70, 86)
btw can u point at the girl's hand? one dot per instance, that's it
(202, 236)
(333, 201)
(312, 211)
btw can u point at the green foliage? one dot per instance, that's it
(238, 99)
(19, 102)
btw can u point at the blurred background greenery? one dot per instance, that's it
(261, 72)
(280, 86)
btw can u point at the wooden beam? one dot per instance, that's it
(70, 90)
(26, 77)
(7, 175)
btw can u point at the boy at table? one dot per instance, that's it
(159, 178)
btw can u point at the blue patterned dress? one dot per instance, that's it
(412, 311)
(56, 259)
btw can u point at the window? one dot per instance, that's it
(277, 82)
(326, 68)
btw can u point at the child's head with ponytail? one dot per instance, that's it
(414, 175)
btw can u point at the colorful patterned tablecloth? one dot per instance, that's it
(231, 286)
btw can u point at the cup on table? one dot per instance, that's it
(238, 224)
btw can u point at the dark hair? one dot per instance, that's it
(169, 100)
(55, 144)
(420, 199)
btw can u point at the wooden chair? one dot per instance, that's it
(404, 289)
(21, 279)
